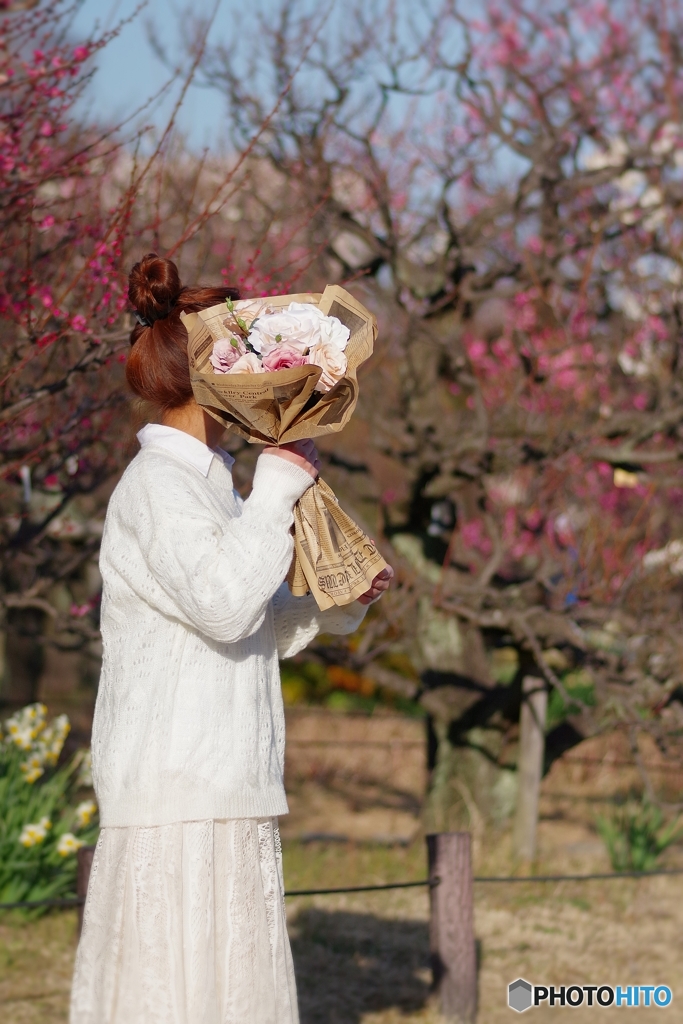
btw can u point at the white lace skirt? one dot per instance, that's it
(185, 924)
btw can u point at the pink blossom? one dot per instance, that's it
(283, 357)
(46, 129)
(509, 524)
(81, 53)
(476, 350)
(473, 536)
(524, 544)
(80, 610)
(567, 379)
(78, 322)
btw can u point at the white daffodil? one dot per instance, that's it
(85, 812)
(26, 725)
(53, 737)
(32, 768)
(68, 844)
(34, 834)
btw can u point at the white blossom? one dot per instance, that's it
(68, 844)
(34, 834)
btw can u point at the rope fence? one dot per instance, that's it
(77, 901)
(450, 883)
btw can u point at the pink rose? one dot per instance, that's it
(225, 354)
(283, 357)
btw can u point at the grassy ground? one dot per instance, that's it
(363, 958)
(36, 960)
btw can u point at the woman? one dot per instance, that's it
(184, 921)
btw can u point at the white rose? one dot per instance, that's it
(331, 361)
(300, 329)
(331, 329)
(248, 363)
(301, 324)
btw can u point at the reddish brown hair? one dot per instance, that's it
(157, 368)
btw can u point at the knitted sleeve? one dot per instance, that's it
(298, 620)
(217, 575)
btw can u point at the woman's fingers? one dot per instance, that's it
(308, 451)
(380, 585)
(302, 453)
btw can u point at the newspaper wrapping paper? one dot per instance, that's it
(333, 558)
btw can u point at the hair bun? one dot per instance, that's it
(154, 286)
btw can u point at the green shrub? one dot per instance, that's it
(578, 685)
(40, 827)
(636, 836)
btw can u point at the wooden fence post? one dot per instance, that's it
(530, 767)
(84, 857)
(451, 925)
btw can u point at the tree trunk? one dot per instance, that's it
(24, 657)
(530, 767)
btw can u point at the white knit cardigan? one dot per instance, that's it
(189, 723)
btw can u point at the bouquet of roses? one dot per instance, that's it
(281, 369)
(264, 339)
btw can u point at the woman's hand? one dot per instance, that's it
(302, 453)
(380, 583)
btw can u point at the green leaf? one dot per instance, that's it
(37, 872)
(578, 685)
(635, 837)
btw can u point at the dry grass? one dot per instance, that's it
(363, 958)
(36, 961)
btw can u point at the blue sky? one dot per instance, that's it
(128, 72)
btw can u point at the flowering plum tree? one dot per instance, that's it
(505, 190)
(59, 303)
(78, 202)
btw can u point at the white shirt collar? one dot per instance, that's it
(185, 446)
